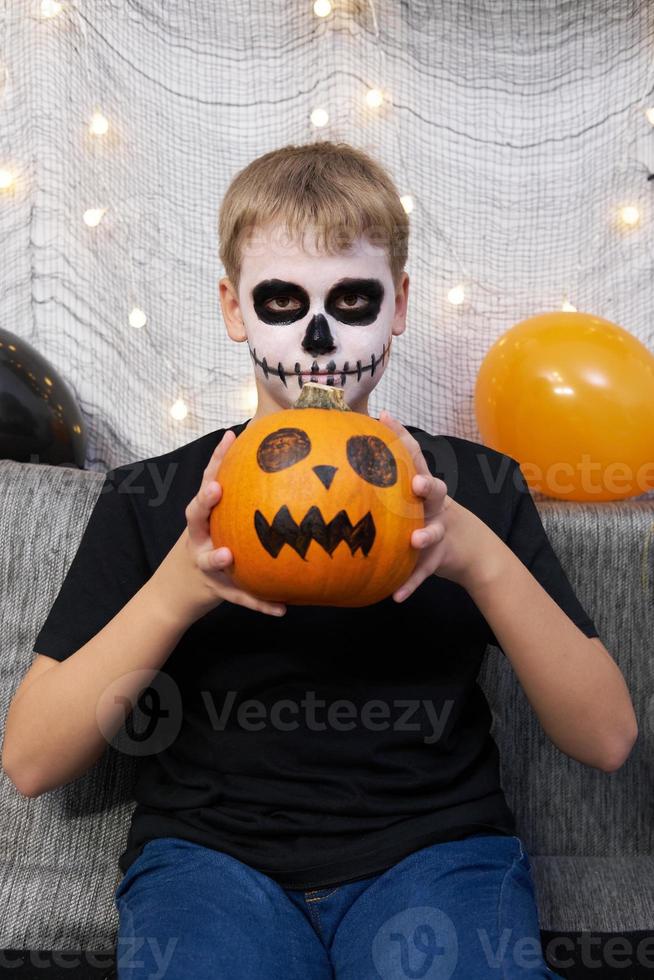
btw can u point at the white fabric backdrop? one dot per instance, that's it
(518, 128)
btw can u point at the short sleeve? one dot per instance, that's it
(109, 567)
(528, 540)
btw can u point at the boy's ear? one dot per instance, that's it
(231, 310)
(401, 300)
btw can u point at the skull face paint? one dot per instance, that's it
(313, 316)
(349, 301)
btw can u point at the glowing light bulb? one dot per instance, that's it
(322, 8)
(407, 203)
(137, 318)
(7, 180)
(93, 216)
(179, 410)
(630, 215)
(456, 295)
(649, 113)
(50, 8)
(568, 307)
(99, 124)
(319, 117)
(374, 98)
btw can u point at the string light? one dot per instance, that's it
(457, 295)
(319, 117)
(137, 318)
(566, 306)
(374, 98)
(50, 8)
(7, 180)
(649, 115)
(630, 215)
(99, 124)
(93, 216)
(407, 203)
(322, 8)
(179, 410)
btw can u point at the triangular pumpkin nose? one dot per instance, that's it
(325, 474)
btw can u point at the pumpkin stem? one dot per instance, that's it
(315, 395)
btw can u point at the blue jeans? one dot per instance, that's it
(458, 910)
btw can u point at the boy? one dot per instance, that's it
(302, 842)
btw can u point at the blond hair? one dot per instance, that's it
(339, 190)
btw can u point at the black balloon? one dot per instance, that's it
(40, 420)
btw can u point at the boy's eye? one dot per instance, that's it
(352, 296)
(283, 304)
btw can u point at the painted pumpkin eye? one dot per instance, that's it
(283, 448)
(371, 458)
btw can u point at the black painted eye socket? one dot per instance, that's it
(283, 448)
(371, 458)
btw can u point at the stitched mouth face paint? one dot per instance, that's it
(320, 317)
(331, 375)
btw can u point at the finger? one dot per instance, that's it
(216, 458)
(259, 605)
(198, 511)
(215, 560)
(241, 598)
(403, 593)
(425, 537)
(420, 573)
(432, 489)
(219, 560)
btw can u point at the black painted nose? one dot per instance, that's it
(325, 474)
(318, 338)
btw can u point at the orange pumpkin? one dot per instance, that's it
(317, 505)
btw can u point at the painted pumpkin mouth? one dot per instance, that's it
(313, 527)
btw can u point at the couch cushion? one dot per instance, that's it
(59, 851)
(599, 894)
(563, 807)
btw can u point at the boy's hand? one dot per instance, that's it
(194, 574)
(454, 543)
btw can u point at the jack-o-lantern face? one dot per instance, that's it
(367, 455)
(317, 508)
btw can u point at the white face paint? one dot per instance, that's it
(309, 316)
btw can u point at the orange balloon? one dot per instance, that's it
(571, 397)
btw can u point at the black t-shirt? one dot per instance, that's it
(325, 745)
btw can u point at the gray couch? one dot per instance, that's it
(588, 833)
